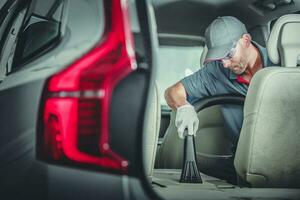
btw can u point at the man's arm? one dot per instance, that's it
(186, 117)
(196, 86)
(176, 96)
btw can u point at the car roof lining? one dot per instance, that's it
(173, 19)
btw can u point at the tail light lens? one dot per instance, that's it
(76, 107)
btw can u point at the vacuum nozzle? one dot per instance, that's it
(190, 172)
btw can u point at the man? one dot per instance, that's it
(231, 61)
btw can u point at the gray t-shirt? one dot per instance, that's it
(214, 79)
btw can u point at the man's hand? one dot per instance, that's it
(186, 118)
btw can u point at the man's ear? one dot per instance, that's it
(247, 39)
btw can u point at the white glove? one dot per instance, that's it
(186, 118)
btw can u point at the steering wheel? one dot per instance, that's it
(219, 99)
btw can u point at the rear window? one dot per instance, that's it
(40, 32)
(175, 63)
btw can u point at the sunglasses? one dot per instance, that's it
(229, 55)
(231, 52)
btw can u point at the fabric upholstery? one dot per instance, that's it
(153, 109)
(284, 40)
(268, 149)
(212, 142)
(151, 130)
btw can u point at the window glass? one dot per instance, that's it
(174, 63)
(2, 2)
(40, 32)
(10, 28)
(50, 9)
(7, 9)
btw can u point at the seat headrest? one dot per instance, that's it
(283, 44)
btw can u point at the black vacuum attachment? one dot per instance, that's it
(190, 172)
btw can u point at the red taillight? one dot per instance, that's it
(75, 115)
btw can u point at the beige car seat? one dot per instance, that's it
(269, 146)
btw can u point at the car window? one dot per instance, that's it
(40, 31)
(13, 15)
(6, 13)
(174, 63)
(2, 3)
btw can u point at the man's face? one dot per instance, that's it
(236, 60)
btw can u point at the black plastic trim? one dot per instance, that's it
(219, 99)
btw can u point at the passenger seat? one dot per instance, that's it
(268, 149)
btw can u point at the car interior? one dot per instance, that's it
(266, 159)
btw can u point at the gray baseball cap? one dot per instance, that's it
(221, 35)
